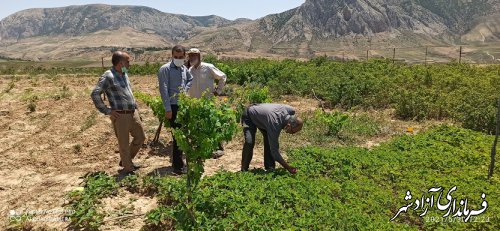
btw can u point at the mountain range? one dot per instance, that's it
(313, 27)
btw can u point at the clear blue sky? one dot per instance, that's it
(230, 9)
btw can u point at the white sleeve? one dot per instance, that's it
(218, 75)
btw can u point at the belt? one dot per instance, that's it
(126, 112)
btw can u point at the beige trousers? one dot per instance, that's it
(124, 125)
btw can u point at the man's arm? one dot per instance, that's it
(101, 86)
(218, 75)
(290, 110)
(273, 138)
(189, 81)
(163, 76)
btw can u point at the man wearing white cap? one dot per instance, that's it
(204, 76)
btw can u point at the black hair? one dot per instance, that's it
(179, 48)
(118, 56)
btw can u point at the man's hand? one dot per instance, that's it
(114, 115)
(168, 115)
(290, 169)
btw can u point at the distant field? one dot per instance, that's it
(407, 51)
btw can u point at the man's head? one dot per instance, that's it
(294, 125)
(178, 55)
(121, 61)
(194, 57)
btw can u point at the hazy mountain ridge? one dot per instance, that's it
(315, 25)
(79, 20)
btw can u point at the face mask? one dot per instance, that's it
(194, 62)
(124, 70)
(178, 62)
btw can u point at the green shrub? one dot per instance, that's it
(334, 121)
(131, 183)
(156, 105)
(205, 124)
(85, 203)
(247, 95)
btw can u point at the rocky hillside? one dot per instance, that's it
(306, 30)
(324, 19)
(81, 20)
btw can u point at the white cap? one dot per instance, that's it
(194, 51)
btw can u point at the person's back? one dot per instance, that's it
(270, 116)
(270, 119)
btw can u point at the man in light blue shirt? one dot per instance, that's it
(174, 79)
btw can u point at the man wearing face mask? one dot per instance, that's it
(204, 76)
(174, 79)
(122, 109)
(270, 119)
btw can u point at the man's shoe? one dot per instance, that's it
(178, 172)
(135, 166)
(217, 154)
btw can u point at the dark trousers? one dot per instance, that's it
(249, 130)
(176, 153)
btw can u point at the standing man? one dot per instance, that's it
(270, 119)
(204, 76)
(174, 79)
(122, 109)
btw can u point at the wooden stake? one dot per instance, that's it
(426, 51)
(494, 147)
(394, 55)
(460, 55)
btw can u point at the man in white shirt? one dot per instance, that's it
(204, 76)
(203, 84)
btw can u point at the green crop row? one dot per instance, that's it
(84, 203)
(464, 93)
(344, 189)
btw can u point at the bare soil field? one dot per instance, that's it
(51, 135)
(44, 153)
